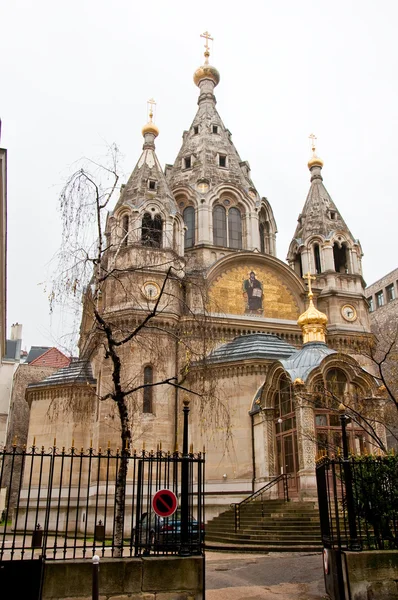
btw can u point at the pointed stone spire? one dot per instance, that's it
(320, 214)
(322, 240)
(207, 153)
(147, 181)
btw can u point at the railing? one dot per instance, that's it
(358, 502)
(237, 506)
(67, 503)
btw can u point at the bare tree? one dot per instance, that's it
(89, 266)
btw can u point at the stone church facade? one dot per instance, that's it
(270, 352)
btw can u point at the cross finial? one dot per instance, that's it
(309, 278)
(312, 139)
(150, 104)
(207, 37)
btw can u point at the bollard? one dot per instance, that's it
(95, 560)
(37, 537)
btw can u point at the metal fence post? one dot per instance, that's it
(95, 561)
(185, 550)
(351, 513)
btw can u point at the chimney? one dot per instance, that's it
(16, 331)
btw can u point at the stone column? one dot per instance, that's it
(328, 259)
(306, 437)
(305, 263)
(204, 230)
(252, 232)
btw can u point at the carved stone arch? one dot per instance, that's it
(123, 225)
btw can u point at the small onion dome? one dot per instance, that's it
(150, 127)
(206, 72)
(315, 161)
(312, 316)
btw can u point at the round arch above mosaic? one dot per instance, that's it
(251, 287)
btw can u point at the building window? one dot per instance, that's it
(219, 226)
(380, 299)
(370, 304)
(390, 292)
(151, 184)
(189, 220)
(332, 215)
(187, 162)
(148, 391)
(196, 130)
(234, 228)
(125, 228)
(340, 258)
(215, 129)
(151, 232)
(264, 231)
(336, 384)
(317, 258)
(227, 232)
(222, 160)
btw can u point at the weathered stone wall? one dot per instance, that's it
(18, 424)
(152, 578)
(372, 575)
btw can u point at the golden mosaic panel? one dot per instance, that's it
(252, 290)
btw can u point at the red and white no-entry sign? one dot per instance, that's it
(164, 503)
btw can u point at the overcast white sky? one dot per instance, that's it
(76, 75)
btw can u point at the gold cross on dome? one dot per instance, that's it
(207, 37)
(309, 278)
(150, 104)
(312, 139)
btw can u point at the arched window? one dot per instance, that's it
(336, 384)
(317, 259)
(262, 241)
(286, 431)
(227, 232)
(340, 255)
(148, 391)
(234, 228)
(264, 232)
(125, 230)
(298, 264)
(151, 233)
(219, 226)
(189, 220)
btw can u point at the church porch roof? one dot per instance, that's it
(253, 346)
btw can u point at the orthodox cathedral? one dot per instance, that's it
(278, 333)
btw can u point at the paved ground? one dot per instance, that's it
(274, 576)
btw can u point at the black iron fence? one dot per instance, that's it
(66, 503)
(358, 502)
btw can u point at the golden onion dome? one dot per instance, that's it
(315, 161)
(312, 316)
(313, 323)
(150, 127)
(206, 72)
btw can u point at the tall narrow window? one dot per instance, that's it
(390, 292)
(317, 258)
(148, 391)
(380, 299)
(189, 220)
(235, 228)
(340, 258)
(262, 241)
(219, 226)
(125, 230)
(151, 233)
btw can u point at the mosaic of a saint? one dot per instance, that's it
(253, 294)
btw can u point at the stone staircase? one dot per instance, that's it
(272, 526)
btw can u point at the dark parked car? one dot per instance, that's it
(162, 534)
